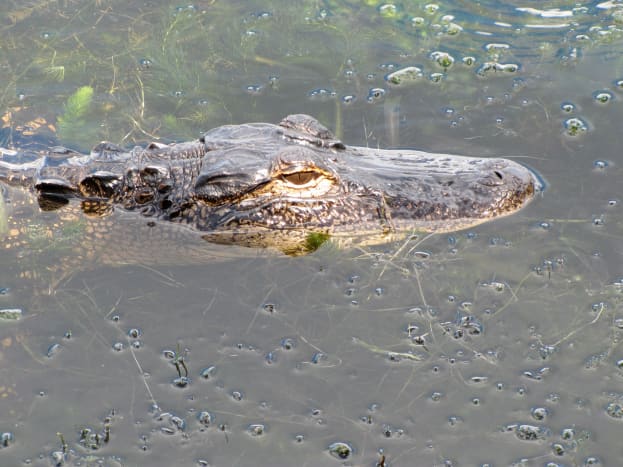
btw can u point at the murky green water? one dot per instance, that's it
(496, 346)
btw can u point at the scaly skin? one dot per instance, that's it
(265, 185)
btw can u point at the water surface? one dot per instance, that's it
(494, 346)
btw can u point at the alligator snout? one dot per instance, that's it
(504, 172)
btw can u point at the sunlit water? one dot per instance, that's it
(496, 346)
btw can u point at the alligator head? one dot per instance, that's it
(295, 178)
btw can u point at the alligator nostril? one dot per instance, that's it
(499, 174)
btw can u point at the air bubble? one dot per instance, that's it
(436, 77)
(269, 307)
(168, 354)
(53, 350)
(6, 438)
(454, 420)
(256, 429)
(567, 107)
(529, 432)
(322, 94)
(375, 94)
(273, 81)
(443, 59)
(539, 413)
(575, 126)
(405, 75)
(603, 97)
(452, 29)
(479, 379)
(492, 68)
(208, 372)
(205, 418)
(270, 358)
(615, 410)
(388, 10)
(600, 164)
(496, 47)
(263, 15)
(181, 381)
(567, 434)
(348, 99)
(287, 343)
(431, 8)
(389, 66)
(254, 89)
(318, 357)
(558, 449)
(340, 450)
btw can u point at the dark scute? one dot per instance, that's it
(215, 188)
(56, 186)
(100, 184)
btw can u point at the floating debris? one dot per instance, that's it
(11, 314)
(405, 75)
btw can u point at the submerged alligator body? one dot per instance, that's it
(266, 185)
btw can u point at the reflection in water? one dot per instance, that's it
(432, 349)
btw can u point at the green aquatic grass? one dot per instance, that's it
(76, 107)
(315, 240)
(72, 124)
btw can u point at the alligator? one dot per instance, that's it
(288, 186)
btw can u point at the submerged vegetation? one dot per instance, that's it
(172, 72)
(72, 124)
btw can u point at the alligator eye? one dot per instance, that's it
(300, 178)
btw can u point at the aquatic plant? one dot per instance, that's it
(72, 124)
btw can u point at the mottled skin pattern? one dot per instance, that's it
(271, 185)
